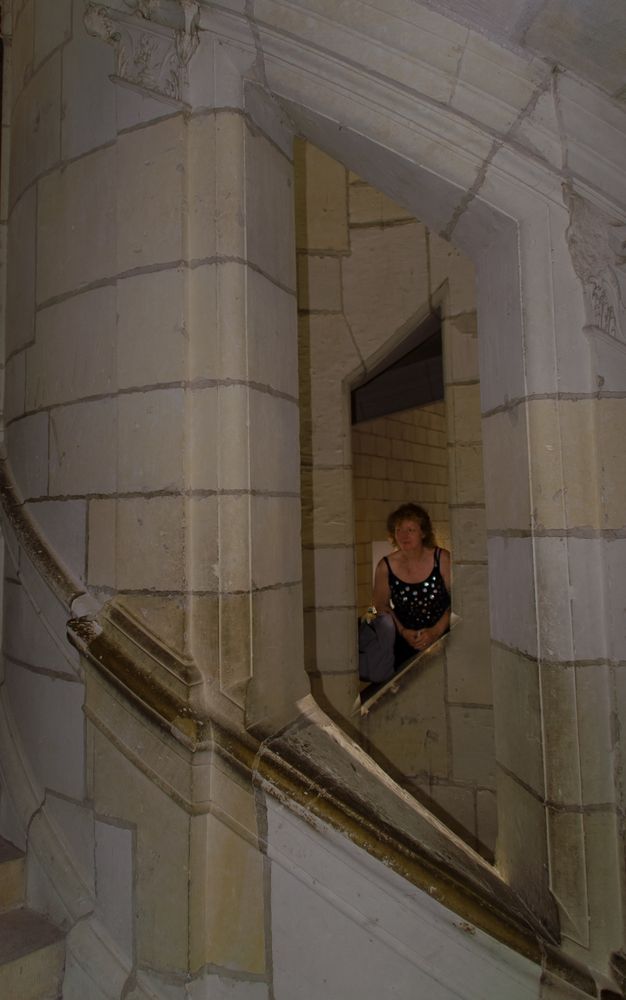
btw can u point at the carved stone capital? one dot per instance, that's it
(154, 42)
(597, 244)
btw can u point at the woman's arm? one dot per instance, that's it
(445, 568)
(426, 636)
(381, 595)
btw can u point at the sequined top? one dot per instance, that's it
(419, 605)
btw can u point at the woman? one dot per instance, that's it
(411, 593)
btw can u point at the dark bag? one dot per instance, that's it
(376, 642)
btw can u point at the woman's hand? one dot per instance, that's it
(420, 639)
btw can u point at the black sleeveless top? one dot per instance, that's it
(419, 605)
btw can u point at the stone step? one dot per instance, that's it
(32, 957)
(12, 876)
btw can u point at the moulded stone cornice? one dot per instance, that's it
(154, 43)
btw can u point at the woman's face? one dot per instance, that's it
(409, 535)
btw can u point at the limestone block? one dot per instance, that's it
(150, 550)
(319, 282)
(234, 542)
(209, 983)
(468, 660)
(451, 277)
(223, 932)
(151, 449)
(63, 524)
(15, 386)
(83, 446)
(233, 442)
(50, 713)
(460, 348)
(27, 448)
(126, 795)
(20, 291)
(321, 200)
(334, 577)
(22, 47)
(512, 606)
(553, 988)
(335, 692)
(521, 850)
(469, 534)
(28, 641)
(52, 610)
(382, 304)
(611, 419)
(201, 321)
(327, 354)
(35, 133)
(512, 78)
(505, 443)
(101, 565)
(166, 617)
(275, 456)
(150, 170)
(554, 569)
(567, 871)
(331, 520)
(565, 489)
(486, 822)
(114, 872)
(216, 168)
(467, 483)
(473, 754)
(277, 638)
(456, 807)
(334, 647)
(73, 204)
(202, 543)
(269, 210)
(502, 363)
(517, 717)
(53, 26)
(411, 731)
(538, 130)
(203, 408)
(616, 596)
(464, 422)
(233, 642)
(81, 328)
(271, 335)
(371, 207)
(579, 744)
(76, 823)
(603, 847)
(275, 528)
(89, 118)
(152, 338)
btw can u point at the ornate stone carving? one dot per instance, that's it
(153, 42)
(598, 248)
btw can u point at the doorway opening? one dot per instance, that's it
(387, 308)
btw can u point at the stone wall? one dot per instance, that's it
(390, 272)
(150, 420)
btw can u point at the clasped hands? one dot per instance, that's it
(419, 639)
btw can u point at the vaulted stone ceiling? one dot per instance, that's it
(585, 36)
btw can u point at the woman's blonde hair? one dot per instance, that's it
(412, 512)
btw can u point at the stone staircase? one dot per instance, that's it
(32, 948)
